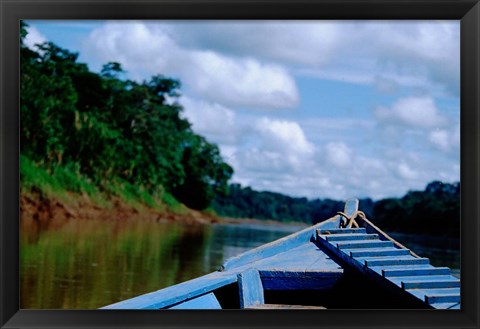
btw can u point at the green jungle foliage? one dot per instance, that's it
(243, 202)
(436, 210)
(112, 132)
(91, 133)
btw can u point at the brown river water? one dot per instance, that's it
(92, 263)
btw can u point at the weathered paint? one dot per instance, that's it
(296, 262)
(205, 302)
(299, 280)
(416, 284)
(436, 293)
(395, 260)
(306, 259)
(300, 255)
(419, 279)
(177, 293)
(446, 306)
(351, 206)
(371, 252)
(341, 230)
(250, 288)
(443, 298)
(270, 249)
(410, 271)
(363, 244)
(302, 258)
(289, 242)
(351, 236)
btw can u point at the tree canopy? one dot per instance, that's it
(113, 130)
(436, 210)
(123, 132)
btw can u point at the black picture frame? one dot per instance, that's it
(11, 11)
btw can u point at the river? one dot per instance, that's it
(92, 263)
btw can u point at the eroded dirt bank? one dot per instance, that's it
(52, 211)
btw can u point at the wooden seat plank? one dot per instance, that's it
(377, 252)
(351, 236)
(250, 288)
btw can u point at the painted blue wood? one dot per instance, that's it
(289, 242)
(443, 298)
(351, 206)
(419, 279)
(408, 271)
(351, 236)
(423, 278)
(310, 280)
(430, 284)
(386, 260)
(341, 230)
(379, 269)
(302, 258)
(250, 288)
(270, 249)
(437, 295)
(446, 306)
(178, 293)
(436, 291)
(296, 262)
(375, 252)
(363, 244)
(205, 302)
(396, 260)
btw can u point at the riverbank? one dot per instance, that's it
(51, 210)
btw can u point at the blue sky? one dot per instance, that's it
(320, 109)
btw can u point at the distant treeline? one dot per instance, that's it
(436, 210)
(116, 133)
(98, 129)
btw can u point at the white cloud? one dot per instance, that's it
(274, 155)
(228, 66)
(417, 54)
(338, 154)
(412, 111)
(440, 139)
(147, 49)
(290, 42)
(33, 38)
(421, 54)
(284, 135)
(405, 172)
(446, 139)
(241, 82)
(212, 120)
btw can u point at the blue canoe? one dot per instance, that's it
(344, 262)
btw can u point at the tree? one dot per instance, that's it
(113, 131)
(206, 173)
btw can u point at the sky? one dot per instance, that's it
(316, 109)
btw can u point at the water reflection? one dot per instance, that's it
(92, 263)
(89, 264)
